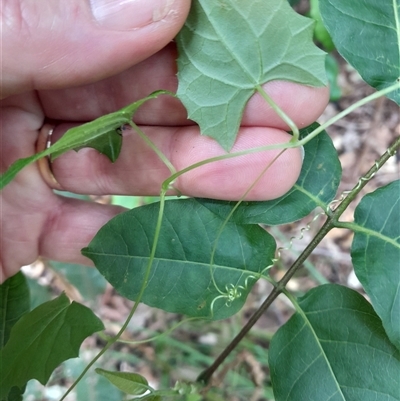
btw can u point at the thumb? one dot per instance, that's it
(51, 44)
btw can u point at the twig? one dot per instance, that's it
(330, 223)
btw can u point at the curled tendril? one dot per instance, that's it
(299, 237)
(336, 202)
(232, 293)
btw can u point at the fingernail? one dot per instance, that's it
(125, 15)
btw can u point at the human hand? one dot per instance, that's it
(60, 63)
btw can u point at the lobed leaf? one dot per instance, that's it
(375, 253)
(334, 348)
(316, 186)
(46, 336)
(181, 278)
(228, 48)
(367, 34)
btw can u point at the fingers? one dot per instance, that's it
(88, 102)
(53, 44)
(139, 171)
(71, 227)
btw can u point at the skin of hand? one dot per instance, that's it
(73, 61)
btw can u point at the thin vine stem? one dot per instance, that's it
(238, 203)
(138, 299)
(154, 148)
(293, 127)
(167, 184)
(331, 222)
(290, 143)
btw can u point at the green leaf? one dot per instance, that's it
(229, 48)
(90, 134)
(14, 303)
(129, 383)
(376, 254)
(46, 336)
(334, 348)
(317, 185)
(92, 387)
(367, 34)
(108, 144)
(181, 277)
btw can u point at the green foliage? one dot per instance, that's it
(317, 185)
(367, 35)
(100, 134)
(46, 336)
(95, 387)
(334, 348)
(220, 68)
(14, 303)
(376, 254)
(201, 257)
(129, 383)
(183, 277)
(108, 144)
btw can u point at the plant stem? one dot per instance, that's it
(153, 147)
(114, 339)
(331, 222)
(280, 112)
(292, 143)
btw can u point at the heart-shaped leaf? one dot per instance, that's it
(334, 348)
(376, 254)
(183, 279)
(367, 34)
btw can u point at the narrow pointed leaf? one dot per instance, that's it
(129, 383)
(367, 34)
(181, 276)
(83, 136)
(46, 336)
(334, 349)
(376, 254)
(14, 303)
(228, 48)
(317, 185)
